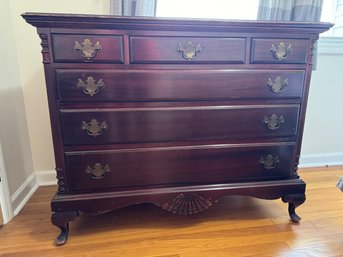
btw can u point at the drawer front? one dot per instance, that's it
(145, 85)
(88, 48)
(177, 165)
(279, 51)
(186, 50)
(138, 125)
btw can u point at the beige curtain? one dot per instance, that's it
(133, 7)
(290, 10)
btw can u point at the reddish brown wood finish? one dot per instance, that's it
(261, 50)
(178, 124)
(178, 165)
(165, 50)
(111, 48)
(106, 201)
(161, 85)
(181, 132)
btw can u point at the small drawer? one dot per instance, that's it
(178, 165)
(88, 48)
(163, 124)
(280, 51)
(186, 50)
(161, 85)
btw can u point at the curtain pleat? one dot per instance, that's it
(116, 7)
(133, 7)
(278, 10)
(290, 10)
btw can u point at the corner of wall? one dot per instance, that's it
(46, 178)
(24, 193)
(29, 187)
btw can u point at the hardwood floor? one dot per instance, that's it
(236, 226)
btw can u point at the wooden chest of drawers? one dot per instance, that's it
(178, 113)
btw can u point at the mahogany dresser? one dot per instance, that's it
(178, 113)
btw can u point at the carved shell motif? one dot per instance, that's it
(187, 204)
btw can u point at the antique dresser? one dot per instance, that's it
(178, 113)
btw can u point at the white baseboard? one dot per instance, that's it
(24, 193)
(330, 45)
(320, 160)
(46, 178)
(5, 198)
(29, 187)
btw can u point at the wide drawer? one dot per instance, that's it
(88, 48)
(186, 50)
(138, 125)
(145, 85)
(280, 51)
(178, 165)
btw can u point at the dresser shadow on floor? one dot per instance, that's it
(149, 216)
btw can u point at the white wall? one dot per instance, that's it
(27, 44)
(14, 135)
(323, 134)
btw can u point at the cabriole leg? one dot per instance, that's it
(294, 200)
(61, 220)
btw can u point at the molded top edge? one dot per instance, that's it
(106, 21)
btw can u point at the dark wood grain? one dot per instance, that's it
(106, 201)
(84, 21)
(177, 165)
(165, 50)
(261, 50)
(160, 85)
(111, 52)
(178, 123)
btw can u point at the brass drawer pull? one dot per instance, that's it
(90, 86)
(277, 85)
(281, 51)
(94, 128)
(269, 162)
(87, 49)
(98, 171)
(189, 50)
(274, 122)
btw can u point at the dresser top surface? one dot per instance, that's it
(60, 20)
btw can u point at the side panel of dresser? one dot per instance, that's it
(310, 55)
(48, 62)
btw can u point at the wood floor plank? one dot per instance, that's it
(271, 249)
(236, 226)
